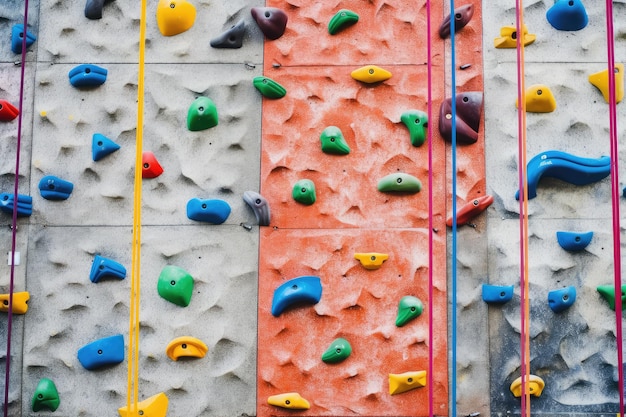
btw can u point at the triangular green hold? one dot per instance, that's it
(46, 396)
(608, 292)
(202, 114)
(102, 146)
(175, 285)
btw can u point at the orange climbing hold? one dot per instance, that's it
(175, 16)
(534, 385)
(371, 260)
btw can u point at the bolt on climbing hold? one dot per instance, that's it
(102, 146)
(17, 38)
(573, 241)
(8, 111)
(54, 188)
(601, 81)
(608, 293)
(497, 294)
(46, 396)
(202, 114)
(534, 385)
(343, 19)
(333, 142)
(470, 210)
(231, 38)
(186, 346)
(417, 123)
(468, 113)
(175, 16)
(561, 299)
(399, 183)
(24, 204)
(399, 383)
(508, 37)
(213, 211)
(409, 308)
(271, 20)
(175, 285)
(106, 268)
(462, 16)
(304, 192)
(305, 289)
(539, 99)
(569, 15)
(87, 75)
(269, 88)
(289, 400)
(370, 74)
(259, 205)
(150, 166)
(102, 352)
(155, 406)
(371, 260)
(338, 351)
(19, 305)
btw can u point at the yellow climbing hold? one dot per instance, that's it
(508, 37)
(399, 383)
(534, 385)
(290, 400)
(371, 260)
(175, 16)
(601, 81)
(186, 346)
(370, 74)
(155, 406)
(539, 99)
(20, 302)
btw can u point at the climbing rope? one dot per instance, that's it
(431, 353)
(14, 219)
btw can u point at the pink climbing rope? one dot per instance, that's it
(7, 372)
(431, 365)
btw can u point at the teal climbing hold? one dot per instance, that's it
(338, 351)
(102, 352)
(409, 308)
(54, 188)
(87, 75)
(333, 141)
(102, 146)
(304, 192)
(562, 299)
(569, 15)
(213, 211)
(24, 204)
(269, 88)
(574, 241)
(17, 38)
(175, 285)
(301, 290)
(399, 183)
(106, 268)
(497, 294)
(417, 122)
(608, 293)
(46, 396)
(202, 114)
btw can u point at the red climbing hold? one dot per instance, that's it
(8, 111)
(151, 167)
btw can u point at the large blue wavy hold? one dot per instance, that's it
(210, 211)
(87, 75)
(102, 352)
(54, 188)
(302, 290)
(565, 167)
(17, 38)
(567, 15)
(103, 267)
(24, 204)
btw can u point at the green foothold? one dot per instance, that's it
(202, 114)
(608, 292)
(175, 285)
(304, 192)
(409, 308)
(338, 351)
(46, 396)
(341, 20)
(400, 182)
(269, 88)
(417, 122)
(333, 141)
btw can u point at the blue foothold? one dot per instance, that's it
(561, 300)
(87, 75)
(54, 188)
(103, 267)
(24, 204)
(305, 289)
(567, 15)
(17, 38)
(211, 211)
(497, 294)
(102, 352)
(574, 241)
(102, 146)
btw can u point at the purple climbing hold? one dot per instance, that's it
(271, 20)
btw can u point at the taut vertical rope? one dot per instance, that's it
(431, 365)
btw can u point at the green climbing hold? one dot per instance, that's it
(269, 88)
(409, 308)
(338, 351)
(175, 285)
(304, 192)
(400, 182)
(341, 20)
(333, 141)
(608, 292)
(46, 396)
(417, 122)
(202, 114)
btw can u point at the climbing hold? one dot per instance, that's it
(567, 15)
(103, 267)
(289, 400)
(601, 81)
(102, 146)
(20, 302)
(268, 87)
(304, 192)
(151, 167)
(304, 289)
(46, 396)
(24, 204)
(409, 308)
(175, 16)
(565, 167)
(53, 188)
(17, 38)
(370, 74)
(508, 37)
(93, 9)
(155, 406)
(232, 38)
(338, 351)
(202, 114)
(562, 299)
(175, 285)
(186, 346)
(259, 206)
(534, 385)
(468, 113)
(417, 122)
(573, 241)
(399, 383)
(333, 141)
(102, 352)
(271, 21)
(400, 183)
(371, 260)
(210, 211)
(341, 20)
(8, 111)
(87, 75)
(539, 99)
(462, 16)
(471, 210)
(608, 293)
(497, 294)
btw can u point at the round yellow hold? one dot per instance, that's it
(370, 74)
(539, 99)
(175, 16)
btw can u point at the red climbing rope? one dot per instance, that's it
(431, 365)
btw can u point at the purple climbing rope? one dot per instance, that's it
(14, 221)
(431, 365)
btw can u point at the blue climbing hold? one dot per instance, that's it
(24, 204)
(306, 289)
(54, 188)
(17, 38)
(88, 75)
(211, 211)
(562, 299)
(102, 146)
(497, 294)
(102, 352)
(103, 267)
(567, 15)
(573, 241)
(565, 167)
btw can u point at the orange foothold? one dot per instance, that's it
(539, 99)
(601, 81)
(175, 16)
(151, 167)
(471, 210)
(20, 302)
(370, 74)
(534, 385)
(8, 111)
(371, 260)
(508, 37)
(155, 406)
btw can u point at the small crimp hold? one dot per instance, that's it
(102, 352)
(471, 210)
(106, 268)
(269, 88)
(155, 406)
(17, 38)
(8, 111)
(399, 383)
(271, 20)
(20, 302)
(338, 351)
(46, 396)
(508, 37)
(259, 206)
(304, 192)
(561, 299)
(151, 167)
(573, 241)
(202, 114)
(232, 38)
(175, 16)
(93, 9)
(399, 183)
(289, 400)
(186, 346)
(24, 204)
(417, 123)
(306, 289)
(462, 16)
(54, 188)
(333, 141)
(370, 74)
(371, 260)
(175, 285)
(343, 19)
(468, 113)
(569, 15)
(601, 81)
(539, 99)
(608, 293)
(102, 146)
(534, 385)
(409, 308)
(87, 75)
(497, 294)
(211, 211)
